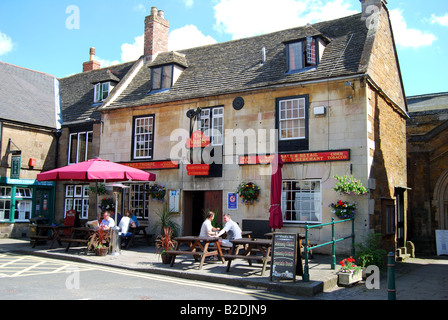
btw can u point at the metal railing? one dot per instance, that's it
(307, 249)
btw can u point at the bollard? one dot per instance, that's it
(391, 291)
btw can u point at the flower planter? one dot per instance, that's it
(166, 259)
(349, 278)
(101, 251)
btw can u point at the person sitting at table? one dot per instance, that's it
(207, 230)
(107, 221)
(133, 218)
(232, 229)
(124, 228)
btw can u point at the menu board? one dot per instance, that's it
(284, 256)
(442, 242)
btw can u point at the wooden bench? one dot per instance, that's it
(35, 239)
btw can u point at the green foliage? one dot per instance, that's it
(249, 192)
(166, 221)
(349, 185)
(369, 253)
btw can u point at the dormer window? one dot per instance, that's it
(101, 91)
(162, 77)
(304, 54)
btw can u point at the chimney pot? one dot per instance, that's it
(92, 54)
(161, 14)
(154, 11)
(91, 64)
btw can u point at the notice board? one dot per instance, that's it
(442, 242)
(284, 256)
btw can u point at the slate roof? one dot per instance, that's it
(28, 96)
(428, 102)
(234, 66)
(77, 92)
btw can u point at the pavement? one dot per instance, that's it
(424, 278)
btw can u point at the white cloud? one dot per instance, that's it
(188, 37)
(131, 52)
(408, 37)
(443, 20)
(106, 62)
(188, 3)
(6, 44)
(245, 18)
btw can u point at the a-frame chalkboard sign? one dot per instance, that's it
(284, 256)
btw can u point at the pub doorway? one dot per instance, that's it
(196, 203)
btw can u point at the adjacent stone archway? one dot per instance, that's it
(441, 200)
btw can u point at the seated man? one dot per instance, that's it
(207, 230)
(124, 228)
(233, 231)
(107, 221)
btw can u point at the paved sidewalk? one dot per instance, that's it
(416, 279)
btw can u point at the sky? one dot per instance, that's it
(54, 36)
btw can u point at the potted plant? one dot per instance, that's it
(98, 242)
(349, 185)
(165, 243)
(349, 273)
(344, 209)
(249, 192)
(157, 192)
(165, 221)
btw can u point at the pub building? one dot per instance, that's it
(328, 97)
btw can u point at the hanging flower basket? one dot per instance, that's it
(157, 192)
(107, 204)
(249, 192)
(349, 185)
(344, 209)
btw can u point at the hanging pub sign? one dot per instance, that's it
(16, 163)
(198, 140)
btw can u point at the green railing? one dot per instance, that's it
(307, 249)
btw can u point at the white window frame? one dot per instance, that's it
(292, 119)
(143, 144)
(5, 203)
(77, 198)
(87, 147)
(101, 91)
(305, 203)
(24, 204)
(212, 124)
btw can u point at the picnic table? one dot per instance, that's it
(252, 250)
(79, 235)
(43, 234)
(197, 247)
(135, 233)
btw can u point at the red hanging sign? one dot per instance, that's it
(198, 140)
(198, 169)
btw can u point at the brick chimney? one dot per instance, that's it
(156, 34)
(91, 64)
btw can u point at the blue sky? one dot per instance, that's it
(54, 36)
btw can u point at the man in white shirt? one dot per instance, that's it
(232, 229)
(107, 221)
(207, 229)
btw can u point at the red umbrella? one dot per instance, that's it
(276, 216)
(96, 170)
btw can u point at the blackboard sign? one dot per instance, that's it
(284, 256)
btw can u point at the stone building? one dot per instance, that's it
(328, 97)
(427, 130)
(30, 122)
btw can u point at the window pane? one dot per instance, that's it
(295, 56)
(73, 148)
(301, 201)
(156, 78)
(167, 77)
(143, 136)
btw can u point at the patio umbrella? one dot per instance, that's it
(276, 216)
(96, 170)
